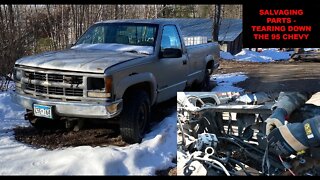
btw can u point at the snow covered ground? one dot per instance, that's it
(225, 82)
(155, 152)
(267, 55)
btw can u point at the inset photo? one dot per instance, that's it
(248, 133)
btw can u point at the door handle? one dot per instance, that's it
(184, 61)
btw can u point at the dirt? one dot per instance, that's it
(275, 76)
(94, 133)
(59, 138)
(172, 171)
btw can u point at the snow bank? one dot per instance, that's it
(226, 55)
(277, 55)
(116, 47)
(155, 152)
(311, 49)
(267, 55)
(10, 114)
(225, 82)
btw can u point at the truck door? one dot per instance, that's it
(173, 70)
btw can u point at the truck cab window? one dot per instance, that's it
(170, 38)
(120, 33)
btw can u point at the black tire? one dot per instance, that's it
(205, 84)
(135, 117)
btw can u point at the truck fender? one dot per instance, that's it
(210, 60)
(135, 79)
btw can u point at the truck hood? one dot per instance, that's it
(95, 61)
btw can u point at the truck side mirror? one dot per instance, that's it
(171, 53)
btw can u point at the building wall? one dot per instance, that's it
(233, 47)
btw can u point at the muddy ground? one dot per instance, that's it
(276, 76)
(94, 133)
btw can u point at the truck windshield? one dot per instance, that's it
(120, 33)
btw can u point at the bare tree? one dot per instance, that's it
(30, 29)
(216, 21)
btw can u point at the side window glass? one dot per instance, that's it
(170, 38)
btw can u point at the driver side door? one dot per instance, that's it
(172, 72)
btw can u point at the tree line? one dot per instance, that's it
(31, 29)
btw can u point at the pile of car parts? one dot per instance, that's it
(226, 136)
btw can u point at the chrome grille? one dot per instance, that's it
(39, 76)
(55, 78)
(52, 85)
(56, 90)
(75, 79)
(37, 88)
(74, 92)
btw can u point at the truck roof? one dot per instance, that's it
(148, 21)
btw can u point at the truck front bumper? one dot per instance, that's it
(73, 109)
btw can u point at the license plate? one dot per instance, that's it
(42, 111)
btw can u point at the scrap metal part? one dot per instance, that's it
(239, 146)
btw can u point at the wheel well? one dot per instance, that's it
(210, 66)
(145, 86)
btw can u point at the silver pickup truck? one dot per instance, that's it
(116, 68)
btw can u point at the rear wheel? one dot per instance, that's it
(135, 116)
(205, 85)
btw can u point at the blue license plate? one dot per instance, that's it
(42, 111)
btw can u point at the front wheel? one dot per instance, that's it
(135, 117)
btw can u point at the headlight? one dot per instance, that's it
(17, 75)
(99, 87)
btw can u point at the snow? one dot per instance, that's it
(311, 49)
(116, 47)
(156, 151)
(225, 82)
(277, 55)
(266, 55)
(226, 55)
